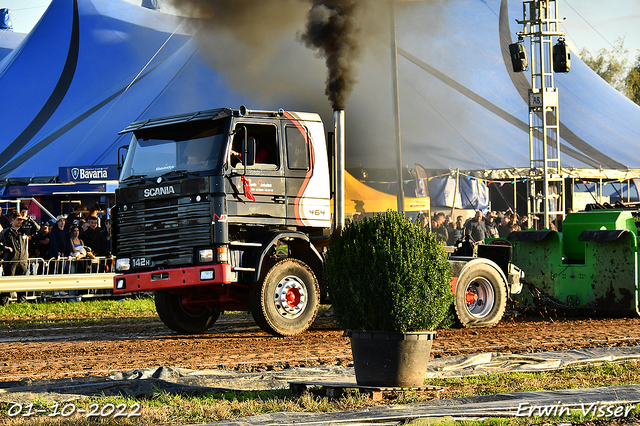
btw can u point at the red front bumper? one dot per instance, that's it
(172, 278)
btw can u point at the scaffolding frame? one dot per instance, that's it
(545, 191)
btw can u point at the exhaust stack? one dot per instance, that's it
(339, 149)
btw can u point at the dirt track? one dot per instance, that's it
(99, 350)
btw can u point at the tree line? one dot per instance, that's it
(612, 66)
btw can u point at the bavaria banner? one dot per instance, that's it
(87, 173)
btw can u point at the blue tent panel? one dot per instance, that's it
(91, 67)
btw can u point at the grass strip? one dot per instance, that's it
(18, 315)
(26, 314)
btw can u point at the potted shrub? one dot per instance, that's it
(389, 284)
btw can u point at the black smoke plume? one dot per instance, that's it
(333, 30)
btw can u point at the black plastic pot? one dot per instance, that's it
(388, 359)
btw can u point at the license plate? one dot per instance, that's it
(139, 262)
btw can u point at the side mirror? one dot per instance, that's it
(121, 158)
(249, 151)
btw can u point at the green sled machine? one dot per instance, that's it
(590, 268)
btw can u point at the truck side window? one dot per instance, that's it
(265, 138)
(297, 148)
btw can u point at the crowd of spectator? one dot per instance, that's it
(76, 237)
(479, 227)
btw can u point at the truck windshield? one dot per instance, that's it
(186, 147)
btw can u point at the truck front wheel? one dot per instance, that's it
(481, 297)
(286, 302)
(180, 318)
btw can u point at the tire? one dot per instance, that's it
(481, 296)
(180, 318)
(287, 300)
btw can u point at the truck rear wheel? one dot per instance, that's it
(180, 318)
(286, 303)
(481, 296)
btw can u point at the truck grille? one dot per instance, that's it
(163, 233)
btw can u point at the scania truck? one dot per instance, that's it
(228, 209)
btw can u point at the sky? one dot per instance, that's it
(590, 24)
(597, 24)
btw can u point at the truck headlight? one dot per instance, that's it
(123, 264)
(205, 256)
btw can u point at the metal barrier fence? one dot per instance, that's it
(73, 266)
(58, 274)
(38, 266)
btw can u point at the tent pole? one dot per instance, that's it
(515, 198)
(396, 104)
(600, 192)
(455, 194)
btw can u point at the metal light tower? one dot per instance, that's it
(546, 185)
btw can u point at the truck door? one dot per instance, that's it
(298, 171)
(265, 177)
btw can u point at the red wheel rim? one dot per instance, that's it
(471, 297)
(290, 297)
(293, 297)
